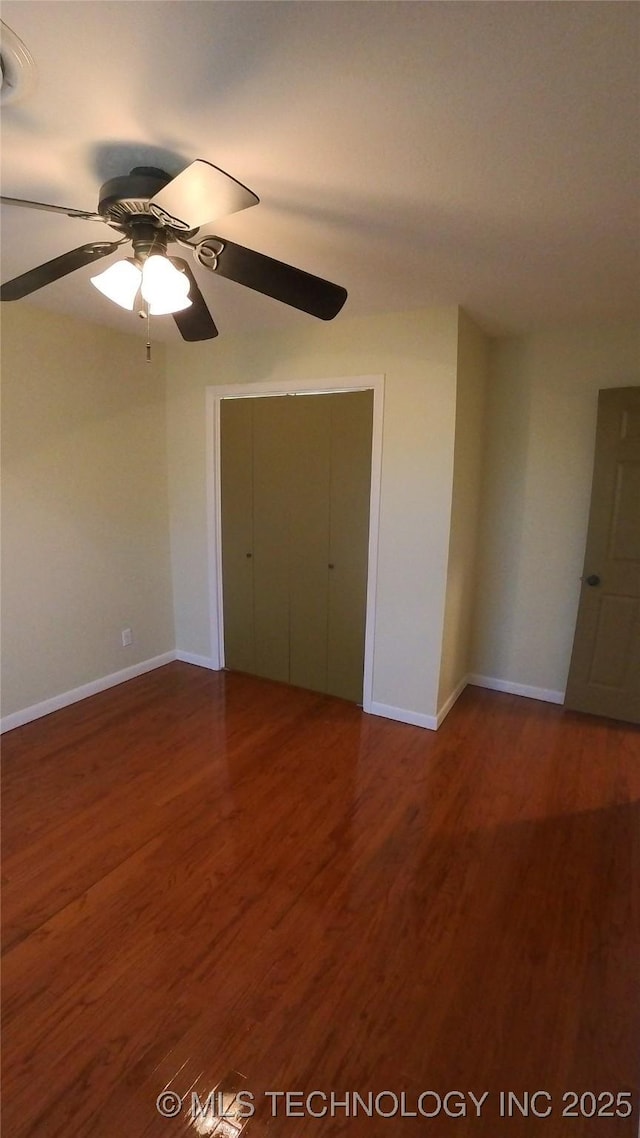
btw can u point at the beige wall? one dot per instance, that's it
(84, 505)
(85, 501)
(471, 387)
(538, 463)
(417, 352)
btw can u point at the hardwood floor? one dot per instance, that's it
(210, 874)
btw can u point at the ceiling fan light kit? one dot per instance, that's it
(120, 283)
(151, 210)
(164, 288)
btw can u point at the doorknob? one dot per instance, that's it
(592, 580)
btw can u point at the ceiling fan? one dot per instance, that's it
(151, 210)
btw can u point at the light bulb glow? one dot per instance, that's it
(165, 307)
(120, 283)
(164, 287)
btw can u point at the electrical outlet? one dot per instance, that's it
(127, 637)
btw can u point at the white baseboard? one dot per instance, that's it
(37, 710)
(448, 703)
(417, 718)
(433, 722)
(199, 661)
(402, 715)
(548, 695)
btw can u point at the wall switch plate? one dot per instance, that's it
(127, 637)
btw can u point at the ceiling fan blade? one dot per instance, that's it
(200, 194)
(195, 322)
(52, 208)
(283, 282)
(51, 271)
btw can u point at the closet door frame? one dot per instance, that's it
(302, 387)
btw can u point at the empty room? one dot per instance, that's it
(320, 568)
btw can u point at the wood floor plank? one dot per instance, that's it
(208, 874)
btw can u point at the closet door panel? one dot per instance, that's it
(236, 475)
(295, 524)
(271, 484)
(309, 442)
(351, 432)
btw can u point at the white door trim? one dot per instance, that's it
(215, 395)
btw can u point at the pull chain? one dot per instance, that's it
(148, 336)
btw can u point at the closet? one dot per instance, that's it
(295, 487)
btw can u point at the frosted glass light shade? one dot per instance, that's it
(164, 287)
(120, 283)
(162, 308)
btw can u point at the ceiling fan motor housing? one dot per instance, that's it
(123, 198)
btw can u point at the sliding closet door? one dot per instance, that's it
(295, 474)
(236, 463)
(309, 449)
(271, 492)
(351, 433)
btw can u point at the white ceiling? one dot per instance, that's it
(418, 153)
